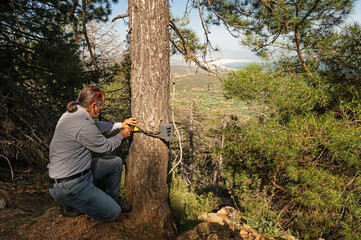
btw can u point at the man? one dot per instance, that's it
(72, 169)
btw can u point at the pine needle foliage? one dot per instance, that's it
(305, 161)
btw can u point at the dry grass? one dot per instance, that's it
(205, 90)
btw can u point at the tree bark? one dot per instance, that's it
(146, 182)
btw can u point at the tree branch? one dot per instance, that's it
(180, 35)
(299, 53)
(120, 16)
(177, 47)
(16, 14)
(184, 51)
(87, 38)
(75, 23)
(240, 11)
(225, 21)
(309, 12)
(11, 169)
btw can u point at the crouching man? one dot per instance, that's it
(72, 169)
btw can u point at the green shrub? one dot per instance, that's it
(186, 205)
(303, 157)
(251, 83)
(255, 201)
(284, 94)
(312, 163)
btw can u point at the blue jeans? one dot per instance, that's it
(81, 194)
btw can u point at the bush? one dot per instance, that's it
(298, 167)
(284, 94)
(186, 205)
(313, 165)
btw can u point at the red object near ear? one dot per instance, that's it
(96, 96)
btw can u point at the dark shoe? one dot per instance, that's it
(67, 211)
(125, 207)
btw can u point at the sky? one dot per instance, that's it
(219, 36)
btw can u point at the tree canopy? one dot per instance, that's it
(289, 26)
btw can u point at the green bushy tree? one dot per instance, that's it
(308, 167)
(340, 67)
(305, 162)
(283, 93)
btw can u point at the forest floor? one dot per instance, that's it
(32, 214)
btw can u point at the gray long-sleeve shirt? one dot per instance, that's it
(75, 137)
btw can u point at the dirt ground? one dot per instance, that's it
(31, 214)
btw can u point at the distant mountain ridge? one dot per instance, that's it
(243, 54)
(223, 56)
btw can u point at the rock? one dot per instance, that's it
(5, 196)
(288, 236)
(243, 233)
(225, 218)
(230, 212)
(2, 203)
(247, 227)
(203, 217)
(252, 231)
(213, 217)
(227, 215)
(203, 228)
(229, 218)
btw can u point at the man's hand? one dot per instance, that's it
(125, 132)
(129, 122)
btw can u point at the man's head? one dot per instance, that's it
(91, 98)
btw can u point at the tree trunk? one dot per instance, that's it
(146, 183)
